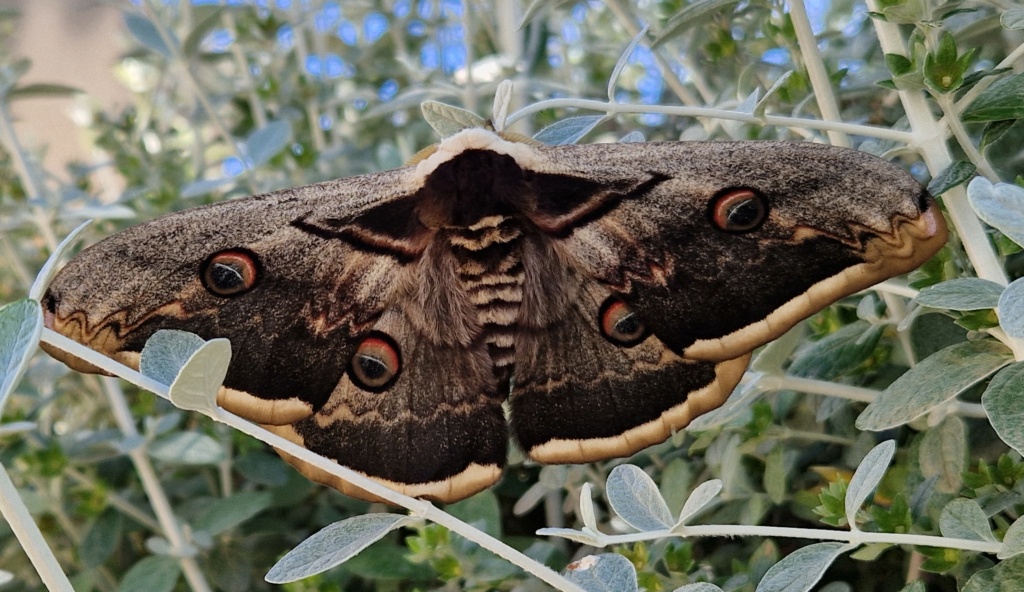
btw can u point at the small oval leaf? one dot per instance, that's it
(227, 512)
(187, 448)
(1003, 402)
(146, 33)
(955, 174)
(961, 294)
(448, 120)
(200, 378)
(635, 498)
(157, 573)
(702, 495)
(1000, 205)
(1011, 309)
(1013, 541)
(603, 573)
(264, 143)
(569, 130)
(166, 352)
(867, 477)
(1005, 576)
(937, 379)
(963, 518)
(800, 570)
(334, 545)
(21, 324)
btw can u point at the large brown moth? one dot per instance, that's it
(609, 293)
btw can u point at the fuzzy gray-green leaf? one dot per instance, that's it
(166, 352)
(333, 545)
(937, 379)
(156, 573)
(264, 143)
(943, 454)
(1003, 100)
(603, 573)
(448, 120)
(1013, 540)
(569, 130)
(1011, 309)
(961, 294)
(21, 324)
(1000, 205)
(1006, 576)
(1004, 404)
(869, 473)
(955, 174)
(187, 448)
(800, 570)
(963, 518)
(635, 498)
(224, 513)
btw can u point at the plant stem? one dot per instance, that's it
(945, 102)
(816, 71)
(857, 537)
(845, 391)
(796, 122)
(929, 138)
(27, 532)
(154, 489)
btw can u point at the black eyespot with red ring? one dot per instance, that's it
(738, 210)
(231, 272)
(619, 324)
(376, 363)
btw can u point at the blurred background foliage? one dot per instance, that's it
(232, 98)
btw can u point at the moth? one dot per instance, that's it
(606, 294)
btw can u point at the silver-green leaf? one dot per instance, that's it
(448, 120)
(187, 448)
(963, 518)
(800, 570)
(943, 454)
(1000, 205)
(569, 130)
(166, 352)
(1011, 309)
(869, 473)
(698, 587)
(21, 324)
(227, 512)
(635, 498)
(1003, 402)
(603, 573)
(961, 294)
(157, 573)
(264, 143)
(702, 495)
(1013, 540)
(1004, 577)
(937, 379)
(334, 545)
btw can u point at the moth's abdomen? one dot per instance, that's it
(490, 270)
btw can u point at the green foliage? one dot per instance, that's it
(305, 93)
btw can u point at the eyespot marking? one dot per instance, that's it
(230, 273)
(738, 210)
(619, 324)
(376, 363)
